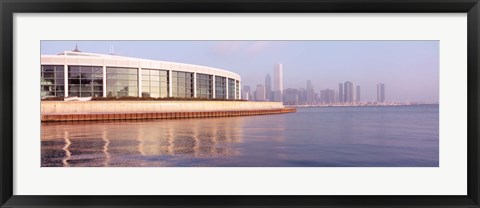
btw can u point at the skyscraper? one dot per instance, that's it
(340, 93)
(357, 97)
(310, 92)
(246, 95)
(268, 88)
(260, 93)
(327, 96)
(278, 82)
(348, 92)
(291, 96)
(380, 92)
(309, 84)
(302, 96)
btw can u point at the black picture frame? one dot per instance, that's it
(9, 7)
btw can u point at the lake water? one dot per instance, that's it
(388, 136)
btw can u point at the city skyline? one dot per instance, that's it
(345, 95)
(409, 67)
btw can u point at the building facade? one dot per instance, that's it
(291, 96)
(357, 93)
(380, 92)
(260, 93)
(79, 74)
(348, 92)
(340, 93)
(278, 83)
(268, 88)
(327, 96)
(310, 93)
(246, 93)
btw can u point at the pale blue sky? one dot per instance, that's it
(409, 69)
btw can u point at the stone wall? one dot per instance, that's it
(79, 107)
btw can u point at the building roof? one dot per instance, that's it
(94, 59)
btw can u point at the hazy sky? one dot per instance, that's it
(409, 69)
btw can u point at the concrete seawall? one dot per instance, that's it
(127, 110)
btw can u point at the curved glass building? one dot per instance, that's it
(79, 74)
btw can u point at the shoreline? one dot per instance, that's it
(53, 111)
(157, 115)
(322, 106)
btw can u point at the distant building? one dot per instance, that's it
(310, 93)
(380, 92)
(278, 83)
(302, 96)
(327, 96)
(340, 93)
(246, 94)
(291, 96)
(260, 93)
(268, 88)
(357, 97)
(309, 84)
(335, 99)
(348, 92)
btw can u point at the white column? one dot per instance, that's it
(104, 80)
(195, 84)
(213, 86)
(226, 84)
(65, 81)
(139, 82)
(170, 83)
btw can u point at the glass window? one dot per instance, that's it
(151, 83)
(220, 87)
(52, 82)
(82, 79)
(125, 82)
(60, 81)
(132, 77)
(97, 76)
(133, 71)
(98, 88)
(237, 91)
(231, 89)
(204, 86)
(181, 86)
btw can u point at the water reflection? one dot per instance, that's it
(311, 137)
(105, 147)
(68, 154)
(140, 143)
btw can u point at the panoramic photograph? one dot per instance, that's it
(239, 103)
